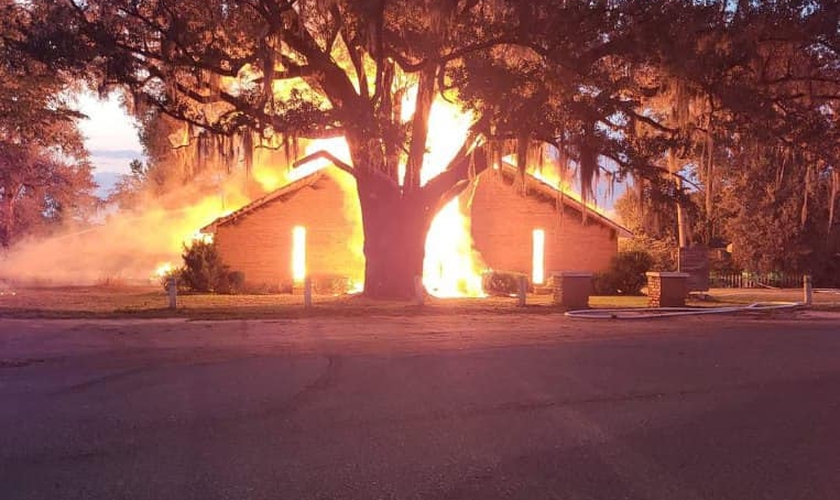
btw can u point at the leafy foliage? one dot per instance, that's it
(45, 178)
(503, 283)
(330, 284)
(204, 271)
(625, 276)
(653, 224)
(775, 215)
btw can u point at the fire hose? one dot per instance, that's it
(666, 312)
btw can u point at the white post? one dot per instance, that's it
(307, 292)
(419, 293)
(172, 289)
(523, 291)
(807, 290)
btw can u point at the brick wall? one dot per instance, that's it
(259, 243)
(503, 221)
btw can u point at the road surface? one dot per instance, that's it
(500, 406)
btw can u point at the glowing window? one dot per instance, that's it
(538, 257)
(298, 253)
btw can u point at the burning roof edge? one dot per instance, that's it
(507, 169)
(278, 193)
(550, 191)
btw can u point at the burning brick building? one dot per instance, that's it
(536, 229)
(313, 226)
(308, 226)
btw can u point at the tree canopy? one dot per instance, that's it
(649, 87)
(44, 174)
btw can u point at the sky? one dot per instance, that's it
(110, 134)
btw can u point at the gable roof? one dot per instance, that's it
(535, 186)
(280, 194)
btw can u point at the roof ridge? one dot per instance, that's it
(289, 188)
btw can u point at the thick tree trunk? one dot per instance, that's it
(683, 229)
(395, 229)
(396, 223)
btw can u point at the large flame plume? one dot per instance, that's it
(452, 267)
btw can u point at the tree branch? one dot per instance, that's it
(420, 129)
(454, 179)
(470, 159)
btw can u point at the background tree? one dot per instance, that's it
(777, 215)
(761, 78)
(45, 177)
(126, 193)
(652, 220)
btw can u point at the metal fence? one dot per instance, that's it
(755, 280)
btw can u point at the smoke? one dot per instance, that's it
(127, 245)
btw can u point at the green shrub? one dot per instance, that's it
(203, 267)
(502, 283)
(330, 284)
(628, 269)
(625, 276)
(174, 273)
(204, 271)
(603, 284)
(230, 282)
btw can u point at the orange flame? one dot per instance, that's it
(163, 269)
(452, 267)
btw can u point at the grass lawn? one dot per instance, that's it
(100, 301)
(151, 302)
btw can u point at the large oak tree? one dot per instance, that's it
(580, 75)
(311, 69)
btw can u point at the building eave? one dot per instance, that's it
(275, 195)
(534, 184)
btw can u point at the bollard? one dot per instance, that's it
(307, 292)
(523, 291)
(807, 290)
(172, 289)
(419, 292)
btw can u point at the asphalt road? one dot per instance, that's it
(509, 406)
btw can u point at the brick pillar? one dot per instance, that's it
(667, 289)
(571, 289)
